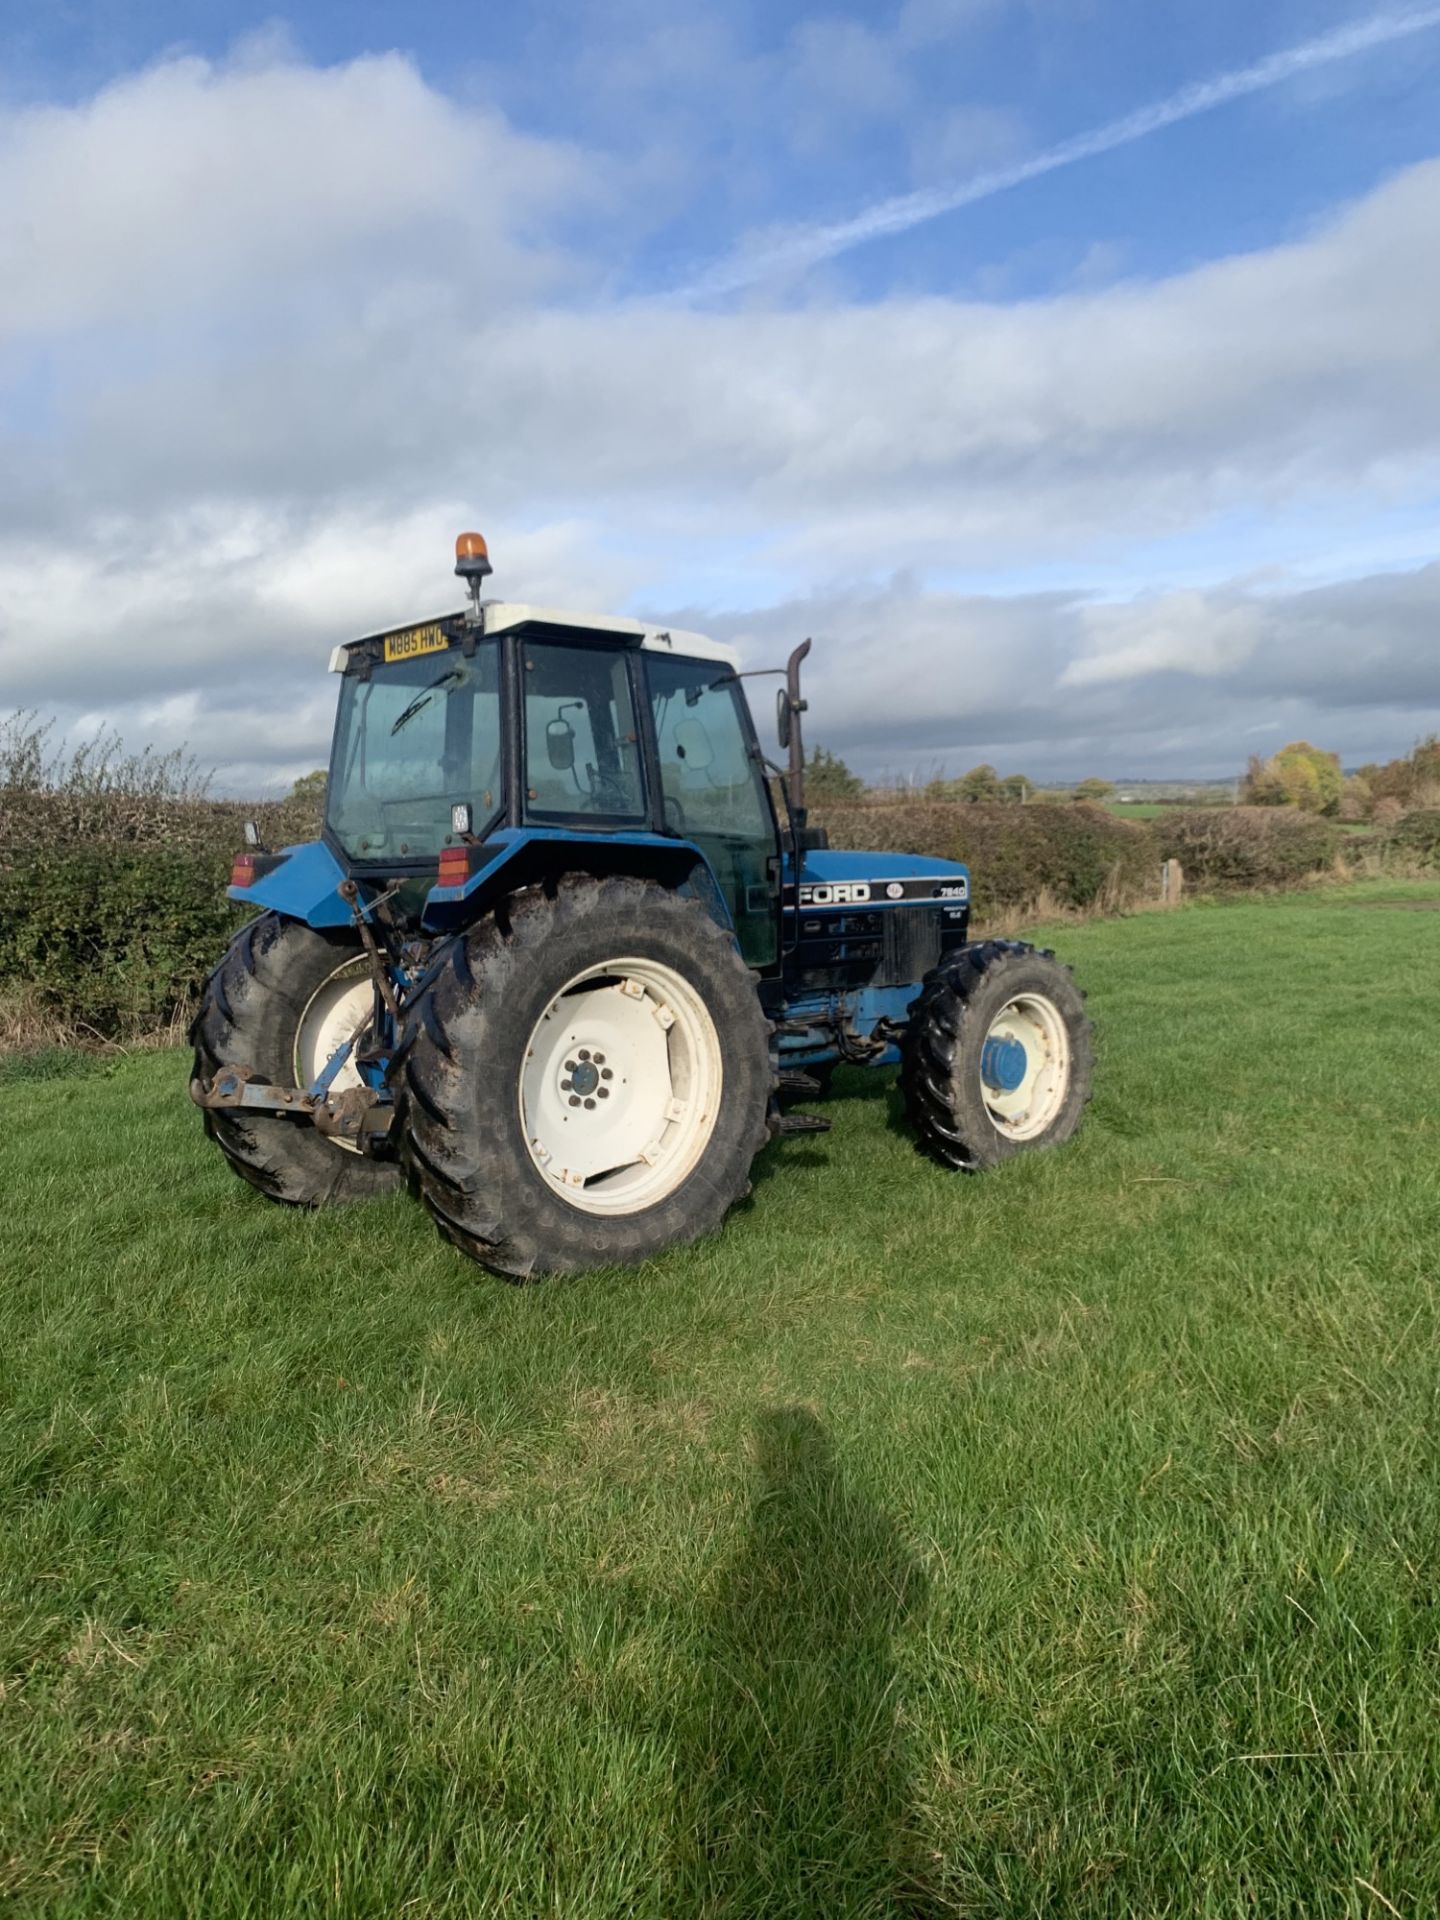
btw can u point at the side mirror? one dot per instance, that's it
(692, 744)
(560, 745)
(782, 717)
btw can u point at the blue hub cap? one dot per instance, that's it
(1003, 1063)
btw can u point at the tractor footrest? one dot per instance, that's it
(799, 1083)
(803, 1123)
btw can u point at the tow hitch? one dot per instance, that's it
(360, 1115)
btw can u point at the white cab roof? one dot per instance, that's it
(503, 615)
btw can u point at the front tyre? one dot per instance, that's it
(281, 1001)
(997, 1055)
(585, 1080)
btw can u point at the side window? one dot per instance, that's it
(713, 793)
(707, 775)
(582, 751)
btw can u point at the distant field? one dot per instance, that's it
(1060, 1543)
(1137, 809)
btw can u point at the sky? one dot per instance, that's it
(1069, 370)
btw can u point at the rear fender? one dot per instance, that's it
(301, 882)
(516, 858)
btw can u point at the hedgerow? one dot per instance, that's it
(112, 882)
(1225, 848)
(1415, 840)
(1080, 856)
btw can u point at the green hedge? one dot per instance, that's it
(1222, 848)
(113, 906)
(1081, 856)
(1415, 839)
(115, 939)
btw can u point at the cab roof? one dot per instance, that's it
(503, 616)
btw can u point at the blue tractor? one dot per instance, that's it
(558, 961)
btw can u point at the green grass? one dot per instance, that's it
(1137, 809)
(1064, 1542)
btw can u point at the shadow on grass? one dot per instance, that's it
(796, 1788)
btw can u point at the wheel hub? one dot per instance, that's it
(584, 1081)
(1003, 1064)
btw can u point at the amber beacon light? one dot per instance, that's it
(472, 563)
(472, 555)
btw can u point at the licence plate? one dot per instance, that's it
(413, 641)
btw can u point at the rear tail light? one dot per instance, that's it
(454, 866)
(242, 872)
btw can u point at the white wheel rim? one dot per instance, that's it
(621, 1086)
(1024, 1098)
(333, 1014)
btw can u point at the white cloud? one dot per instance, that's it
(936, 432)
(361, 346)
(1185, 633)
(192, 182)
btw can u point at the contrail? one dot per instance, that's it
(807, 246)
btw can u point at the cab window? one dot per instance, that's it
(582, 751)
(714, 793)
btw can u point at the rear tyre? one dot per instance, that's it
(997, 1055)
(585, 1079)
(281, 1001)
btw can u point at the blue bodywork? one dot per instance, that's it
(823, 1020)
(303, 882)
(824, 864)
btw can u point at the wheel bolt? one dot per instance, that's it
(604, 1093)
(584, 1053)
(605, 1073)
(574, 1099)
(569, 1066)
(589, 1106)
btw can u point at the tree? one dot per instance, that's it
(980, 783)
(1262, 785)
(1357, 800)
(1300, 776)
(1094, 789)
(828, 778)
(311, 786)
(1311, 777)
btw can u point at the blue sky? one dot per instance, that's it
(1117, 467)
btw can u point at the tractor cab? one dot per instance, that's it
(462, 739)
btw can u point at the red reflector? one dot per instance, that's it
(454, 866)
(242, 873)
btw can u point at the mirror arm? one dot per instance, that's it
(795, 780)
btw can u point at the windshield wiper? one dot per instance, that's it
(450, 677)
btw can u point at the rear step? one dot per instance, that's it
(799, 1083)
(803, 1123)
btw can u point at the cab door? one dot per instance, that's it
(713, 791)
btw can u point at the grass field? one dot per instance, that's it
(1065, 1542)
